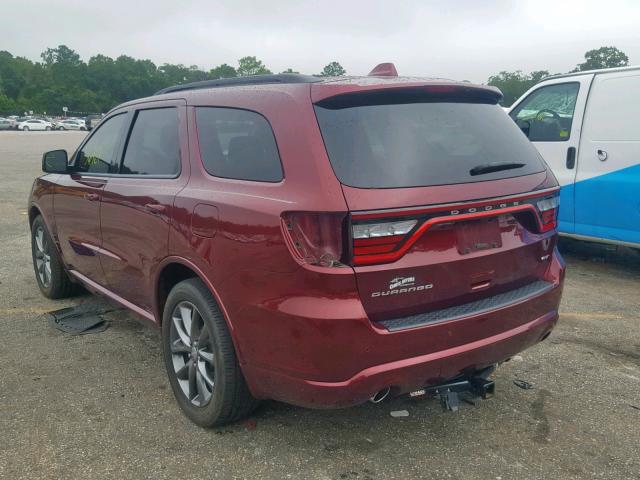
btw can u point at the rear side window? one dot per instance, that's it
(98, 154)
(422, 144)
(153, 145)
(237, 144)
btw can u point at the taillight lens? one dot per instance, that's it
(315, 238)
(383, 229)
(548, 209)
(371, 238)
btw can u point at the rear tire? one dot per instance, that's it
(47, 128)
(51, 275)
(200, 358)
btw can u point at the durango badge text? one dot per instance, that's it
(408, 285)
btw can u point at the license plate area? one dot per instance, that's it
(480, 234)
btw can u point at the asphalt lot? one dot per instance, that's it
(99, 406)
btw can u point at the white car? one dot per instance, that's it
(71, 124)
(34, 124)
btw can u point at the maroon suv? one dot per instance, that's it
(314, 241)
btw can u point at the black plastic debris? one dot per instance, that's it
(82, 319)
(523, 384)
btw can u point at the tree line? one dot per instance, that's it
(514, 84)
(63, 79)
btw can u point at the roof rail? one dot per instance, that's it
(239, 81)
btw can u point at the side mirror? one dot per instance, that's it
(525, 126)
(55, 161)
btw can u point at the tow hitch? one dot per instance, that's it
(449, 393)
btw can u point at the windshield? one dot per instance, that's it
(424, 144)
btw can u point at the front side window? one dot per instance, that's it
(546, 114)
(153, 147)
(98, 154)
(238, 144)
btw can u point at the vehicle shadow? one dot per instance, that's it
(626, 258)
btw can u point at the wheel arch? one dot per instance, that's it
(173, 270)
(34, 211)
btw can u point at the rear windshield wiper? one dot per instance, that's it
(494, 167)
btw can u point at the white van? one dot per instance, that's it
(586, 125)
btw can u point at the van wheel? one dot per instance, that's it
(200, 358)
(51, 276)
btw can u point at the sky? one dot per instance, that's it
(462, 40)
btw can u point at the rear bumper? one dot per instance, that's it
(338, 357)
(404, 375)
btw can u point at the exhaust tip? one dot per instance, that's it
(381, 395)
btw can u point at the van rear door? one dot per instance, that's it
(608, 180)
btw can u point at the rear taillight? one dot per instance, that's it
(369, 238)
(372, 238)
(548, 210)
(315, 238)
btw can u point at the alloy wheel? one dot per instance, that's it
(192, 353)
(43, 257)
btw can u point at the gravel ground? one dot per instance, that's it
(99, 406)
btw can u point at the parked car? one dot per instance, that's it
(318, 242)
(6, 124)
(585, 126)
(34, 124)
(70, 125)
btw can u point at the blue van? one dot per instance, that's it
(586, 125)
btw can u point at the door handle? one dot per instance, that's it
(92, 197)
(602, 155)
(571, 157)
(155, 208)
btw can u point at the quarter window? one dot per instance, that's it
(153, 146)
(546, 114)
(237, 144)
(98, 154)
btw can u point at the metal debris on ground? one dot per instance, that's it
(81, 319)
(523, 384)
(399, 413)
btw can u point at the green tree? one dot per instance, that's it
(223, 71)
(603, 57)
(289, 70)
(514, 84)
(62, 54)
(251, 66)
(7, 105)
(333, 69)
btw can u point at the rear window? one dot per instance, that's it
(394, 145)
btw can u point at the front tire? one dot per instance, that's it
(200, 358)
(47, 128)
(25, 129)
(51, 276)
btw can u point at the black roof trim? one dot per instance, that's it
(239, 81)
